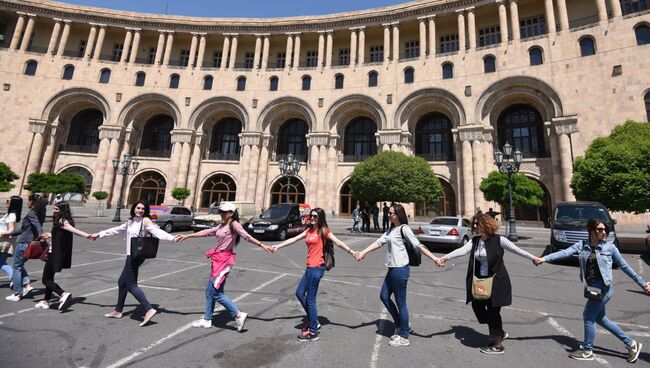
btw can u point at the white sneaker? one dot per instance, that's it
(202, 323)
(239, 321)
(13, 298)
(394, 337)
(399, 341)
(26, 290)
(42, 305)
(64, 301)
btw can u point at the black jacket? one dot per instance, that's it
(61, 256)
(501, 288)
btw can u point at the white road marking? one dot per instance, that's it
(566, 332)
(641, 268)
(375, 349)
(79, 265)
(161, 258)
(158, 288)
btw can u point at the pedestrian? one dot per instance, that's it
(59, 254)
(355, 219)
(375, 216)
(57, 199)
(139, 224)
(365, 217)
(385, 223)
(486, 261)
(492, 213)
(397, 261)
(223, 257)
(596, 257)
(316, 237)
(8, 221)
(30, 229)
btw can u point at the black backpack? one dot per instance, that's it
(415, 257)
(328, 253)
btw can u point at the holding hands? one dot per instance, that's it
(537, 261)
(93, 237)
(441, 261)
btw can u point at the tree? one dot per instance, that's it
(100, 196)
(6, 177)
(615, 170)
(180, 194)
(395, 177)
(525, 191)
(55, 183)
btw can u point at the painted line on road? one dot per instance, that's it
(161, 258)
(641, 268)
(374, 357)
(566, 332)
(184, 328)
(158, 288)
(79, 265)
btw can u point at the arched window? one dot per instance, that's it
(445, 206)
(522, 126)
(373, 76)
(156, 137)
(348, 201)
(647, 105)
(88, 181)
(68, 72)
(587, 46)
(295, 189)
(83, 135)
(489, 64)
(409, 75)
(105, 76)
(273, 83)
(174, 80)
(241, 83)
(149, 186)
(224, 144)
(433, 139)
(140, 78)
(292, 138)
(642, 33)
(207, 82)
(536, 56)
(447, 71)
(360, 141)
(30, 67)
(338, 81)
(306, 83)
(218, 188)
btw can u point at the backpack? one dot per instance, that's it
(328, 253)
(415, 257)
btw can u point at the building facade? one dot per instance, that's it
(213, 104)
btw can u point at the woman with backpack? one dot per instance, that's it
(228, 234)
(399, 270)
(316, 237)
(7, 225)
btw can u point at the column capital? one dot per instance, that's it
(470, 9)
(181, 136)
(293, 33)
(393, 136)
(250, 138)
(31, 15)
(235, 35)
(21, 13)
(513, 1)
(110, 132)
(133, 29)
(67, 21)
(501, 2)
(352, 28)
(471, 133)
(460, 11)
(57, 20)
(565, 124)
(386, 25)
(318, 139)
(37, 126)
(198, 137)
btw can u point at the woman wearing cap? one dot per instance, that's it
(223, 259)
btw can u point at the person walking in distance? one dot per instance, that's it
(375, 217)
(385, 223)
(365, 217)
(355, 219)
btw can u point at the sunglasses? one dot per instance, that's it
(313, 216)
(601, 229)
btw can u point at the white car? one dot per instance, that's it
(446, 230)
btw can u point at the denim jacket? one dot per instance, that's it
(606, 254)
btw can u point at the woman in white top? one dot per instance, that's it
(7, 224)
(128, 281)
(397, 261)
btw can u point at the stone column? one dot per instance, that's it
(100, 42)
(514, 20)
(127, 46)
(193, 44)
(180, 140)
(322, 176)
(616, 8)
(503, 22)
(296, 51)
(467, 170)
(361, 55)
(28, 32)
(194, 170)
(461, 31)
(353, 47)
(100, 162)
(312, 172)
(91, 41)
(54, 37)
(550, 16)
(556, 167)
(564, 15)
(186, 151)
(432, 36)
(20, 23)
(262, 172)
(168, 47)
(244, 163)
(423, 37)
(478, 159)
(602, 10)
(225, 51)
(266, 45)
(564, 126)
(50, 144)
(250, 142)
(117, 185)
(329, 44)
(233, 50)
(64, 38)
(332, 162)
(160, 48)
(252, 173)
(321, 49)
(38, 128)
(201, 55)
(386, 43)
(258, 52)
(113, 153)
(133, 56)
(395, 41)
(289, 51)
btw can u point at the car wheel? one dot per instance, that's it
(282, 234)
(168, 227)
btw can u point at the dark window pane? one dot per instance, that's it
(105, 76)
(292, 139)
(338, 81)
(274, 84)
(447, 71)
(156, 136)
(306, 83)
(174, 80)
(84, 131)
(642, 35)
(433, 138)
(68, 72)
(587, 47)
(225, 140)
(30, 68)
(536, 57)
(489, 64)
(241, 83)
(360, 141)
(522, 127)
(140, 78)
(409, 75)
(207, 83)
(372, 79)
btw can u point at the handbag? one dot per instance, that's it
(481, 288)
(594, 293)
(328, 255)
(6, 248)
(415, 256)
(35, 249)
(144, 247)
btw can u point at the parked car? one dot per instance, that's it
(279, 222)
(569, 223)
(446, 230)
(170, 217)
(246, 212)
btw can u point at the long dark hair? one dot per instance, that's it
(15, 206)
(321, 223)
(64, 214)
(234, 217)
(147, 209)
(38, 206)
(593, 224)
(401, 215)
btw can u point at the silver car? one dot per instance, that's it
(446, 230)
(170, 217)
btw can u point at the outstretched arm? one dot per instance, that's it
(154, 230)
(290, 241)
(341, 244)
(370, 248)
(110, 232)
(74, 230)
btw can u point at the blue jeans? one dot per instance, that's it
(5, 267)
(395, 283)
(355, 225)
(20, 275)
(595, 313)
(306, 294)
(213, 294)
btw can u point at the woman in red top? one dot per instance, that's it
(315, 236)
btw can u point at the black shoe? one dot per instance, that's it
(493, 350)
(308, 336)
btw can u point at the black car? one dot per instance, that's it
(569, 223)
(278, 222)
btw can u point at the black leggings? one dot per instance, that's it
(486, 313)
(128, 282)
(48, 281)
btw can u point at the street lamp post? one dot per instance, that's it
(509, 163)
(125, 168)
(289, 169)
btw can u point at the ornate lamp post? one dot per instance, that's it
(125, 168)
(508, 163)
(289, 169)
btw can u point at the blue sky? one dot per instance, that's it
(242, 8)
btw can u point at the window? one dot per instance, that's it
(174, 80)
(207, 82)
(372, 78)
(634, 6)
(312, 59)
(140, 78)
(241, 83)
(82, 48)
(647, 105)
(344, 56)
(156, 137)
(433, 138)
(489, 64)
(273, 83)
(533, 26)
(448, 43)
(360, 142)
(184, 58)
(117, 52)
(224, 144)
(642, 33)
(536, 56)
(376, 54)
(523, 128)
(216, 59)
(249, 60)
(409, 75)
(587, 46)
(151, 57)
(489, 36)
(292, 138)
(149, 186)
(411, 49)
(306, 83)
(30, 67)
(83, 135)
(447, 71)
(338, 81)
(88, 181)
(218, 188)
(68, 72)
(105, 76)
(280, 60)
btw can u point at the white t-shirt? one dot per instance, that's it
(396, 255)
(6, 220)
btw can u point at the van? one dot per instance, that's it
(569, 223)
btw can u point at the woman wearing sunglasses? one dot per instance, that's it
(315, 236)
(596, 257)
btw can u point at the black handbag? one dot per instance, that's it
(144, 247)
(593, 293)
(415, 257)
(328, 255)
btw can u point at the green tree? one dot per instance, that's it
(55, 183)
(6, 177)
(615, 170)
(180, 194)
(525, 191)
(100, 195)
(395, 177)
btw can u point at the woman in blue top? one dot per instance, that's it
(596, 257)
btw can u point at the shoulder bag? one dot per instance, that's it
(415, 256)
(481, 288)
(591, 292)
(144, 247)
(35, 249)
(328, 253)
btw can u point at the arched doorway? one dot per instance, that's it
(294, 188)
(535, 213)
(88, 180)
(217, 188)
(445, 206)
(149, 186)
(347, 201)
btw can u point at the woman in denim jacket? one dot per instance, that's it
(596, 258)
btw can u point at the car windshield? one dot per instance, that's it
(444, 221)
(580, 214)
(276, 212)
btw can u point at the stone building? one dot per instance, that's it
(213, 104)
